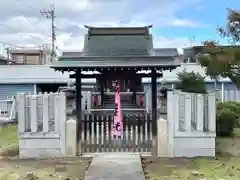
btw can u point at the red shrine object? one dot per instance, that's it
(95, 100)
(141, 100)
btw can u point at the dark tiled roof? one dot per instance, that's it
(96, 31)
(166, 52)
(116, 62)
(117, 45)
(73, 54)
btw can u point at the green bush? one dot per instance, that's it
(234, 107)
(191, 82)
(231, 105)
(225, 122)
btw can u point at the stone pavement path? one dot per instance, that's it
(115, 167)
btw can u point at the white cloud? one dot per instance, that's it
(24, 25)
(186, 23)
(179, 42)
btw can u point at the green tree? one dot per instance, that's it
(191, 82)
(224, 61)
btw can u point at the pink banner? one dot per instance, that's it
(117, 127)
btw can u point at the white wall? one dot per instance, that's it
(41, 125)
(191, 125)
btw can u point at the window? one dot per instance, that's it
(190, 60)
(185, 60)
(32, 59)
(18, 59)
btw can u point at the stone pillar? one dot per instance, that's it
(71, 140)
(162, 138)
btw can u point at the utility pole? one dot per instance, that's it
(191, 40)
(50, 14)
(8, 55)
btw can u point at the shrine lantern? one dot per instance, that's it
(142, 101)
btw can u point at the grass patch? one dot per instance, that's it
(9, 140)
(228, 146)
(236, 132)
(194, 169)
(225, 166)
(48, 169)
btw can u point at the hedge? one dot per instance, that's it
(228, 115)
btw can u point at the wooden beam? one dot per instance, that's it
(78, 109)
(85, 75)
(154, 112)
(99, 75)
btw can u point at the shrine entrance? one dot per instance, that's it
(123, 54)
(96, 134)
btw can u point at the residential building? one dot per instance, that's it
(30, 56)
(3, 60)
(6, 61)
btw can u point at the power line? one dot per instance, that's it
(9, 44)
(35, 8)
(30, 22)
(27, 5)
(14, 30)
(50, 14)
(24, 16)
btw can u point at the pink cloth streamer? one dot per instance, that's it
(117, 127)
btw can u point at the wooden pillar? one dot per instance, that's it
(78, 109)
(102, 83)
(154, 112)
(102, 86)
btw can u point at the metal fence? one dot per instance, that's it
(8, 110)
(231, 95)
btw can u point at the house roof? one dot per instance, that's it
(88, 62)
(35, 74)
(163, 52)
(118, 47)
(18, 74)
(160, 58)
(28, 50)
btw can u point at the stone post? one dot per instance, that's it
(71, 139)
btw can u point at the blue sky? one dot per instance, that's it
(209, 14)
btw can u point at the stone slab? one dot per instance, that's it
(115, 167)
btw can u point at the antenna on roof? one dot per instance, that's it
(150, 26)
